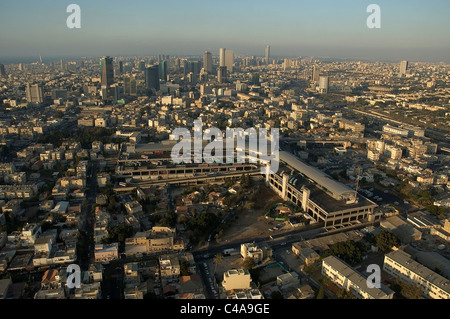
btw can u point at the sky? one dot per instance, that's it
(414, 30)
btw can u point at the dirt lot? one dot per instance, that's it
(252, 223)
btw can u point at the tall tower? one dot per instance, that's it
(222, 57)
(316, 74)
(152, 77)
(324, 83)
(222, 74)
(229, 60)
(107, 71)
(208, 62)
(163, 70)
(267, 54)
(2, 70)
(403, 67)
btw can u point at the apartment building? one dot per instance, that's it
(236, 279)
(400, 265)
(251, 250)
(345, 277)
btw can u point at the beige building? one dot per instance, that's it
(251, 250)
(345, 277)
(236, 279)
(400, 265)
(106, 252)
(157, 239)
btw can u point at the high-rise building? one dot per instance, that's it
(34, 93)
(267, 54)
(222, 56)
(130, 86)
(208, 62)
(152, 78)
(403, 67)
(2, 70)
(229, 60)
(120, 67)
(142, 66)
(324, 83)
(107, 71)
(163, 70)
(315, 74)
(222, 74)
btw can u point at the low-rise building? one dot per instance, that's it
(400, 265)
(236, 279)
(108, 252)
(341, 274)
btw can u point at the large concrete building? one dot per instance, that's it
(321, 198)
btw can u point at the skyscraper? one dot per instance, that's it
(208, 62)
(315, 74)
(152, 78)
(34, 93)
(130, 86)
(2, 70)
(107, 71)
(229, 60)
(121, 67)
(267, 54)
(142, 66)
(222, 57)
(222, 74)
(403, 67)
(324, 83)
(163, 70)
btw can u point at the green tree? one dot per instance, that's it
(218, 258)
(344, 294)
(248, 263)
(385, 240)
(321, 292)
(349, 251)
(184, 268)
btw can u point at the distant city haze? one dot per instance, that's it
(410, 30)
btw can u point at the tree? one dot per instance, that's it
(349, 251)
(321, 292)
(184, 268)
(248, 263)
(276, 295)
(345, 294)
(411, 291)
(385, 240)
(218, 258)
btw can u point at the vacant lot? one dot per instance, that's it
(252, 223)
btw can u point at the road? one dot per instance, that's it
(205, 257)
(88, 219)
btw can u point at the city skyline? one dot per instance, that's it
(292, 28)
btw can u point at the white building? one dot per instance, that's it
(345, 277)
(400, 264)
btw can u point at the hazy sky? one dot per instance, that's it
(416, 30)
